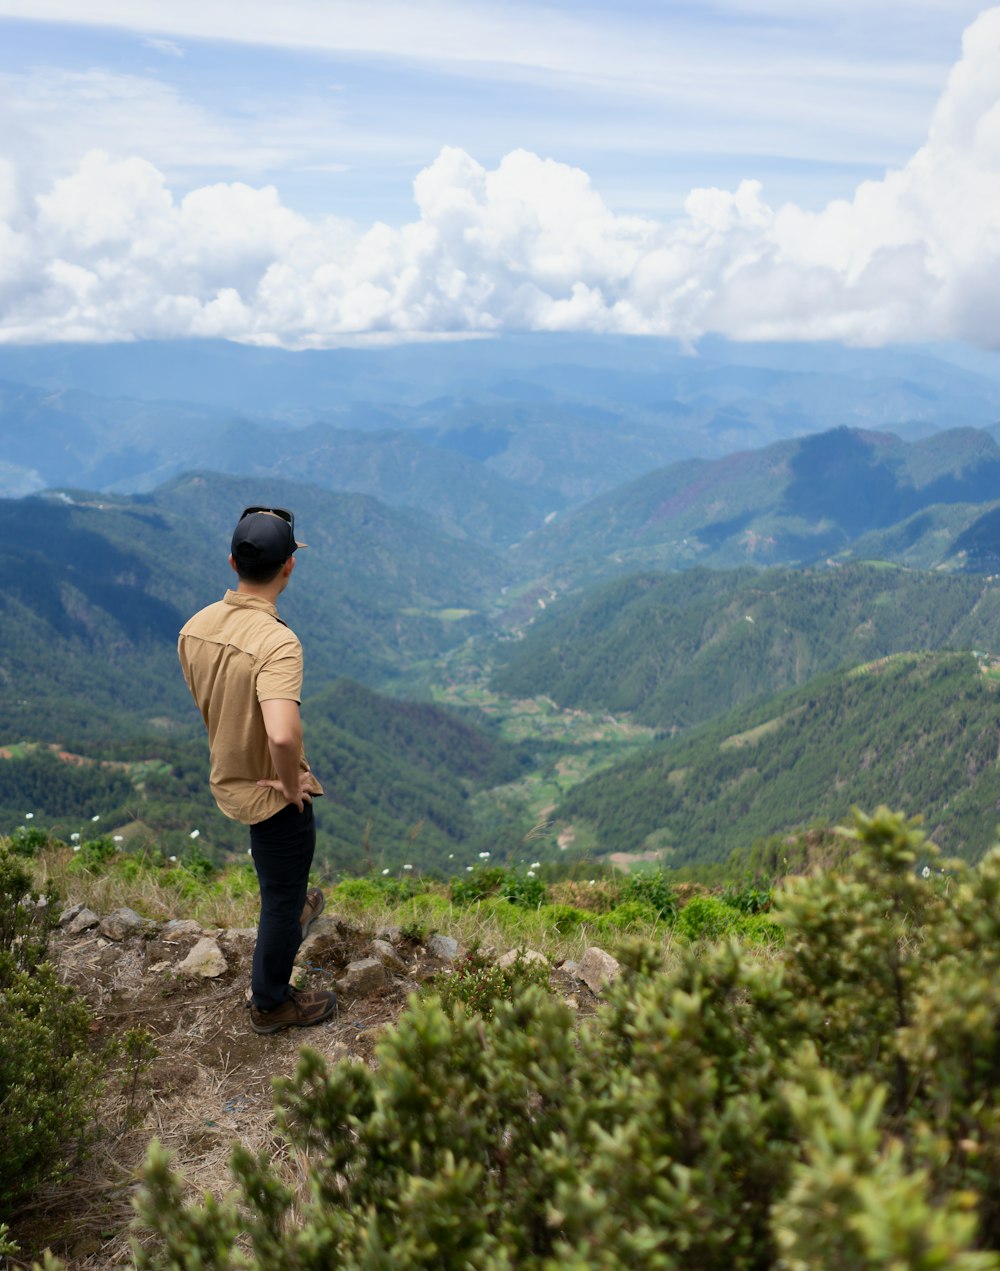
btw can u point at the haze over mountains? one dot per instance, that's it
(557, 418)
(496, 508)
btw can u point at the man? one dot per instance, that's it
(244, 669)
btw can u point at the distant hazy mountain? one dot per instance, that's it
(796, 501)
(674, 650)
(559, 418)
(918, 732)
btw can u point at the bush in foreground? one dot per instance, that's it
(836, 1105)
(48, 1076)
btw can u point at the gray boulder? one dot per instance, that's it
(443, 947)
(83, 921)
(526, 955)
(122, 923)
(598, 969)
(387, 955)
(364, 976)
(205, 959)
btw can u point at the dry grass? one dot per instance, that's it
(157, 892)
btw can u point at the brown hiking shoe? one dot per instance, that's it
(304, 1007)
(315, 903)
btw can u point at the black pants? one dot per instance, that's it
(282, 848)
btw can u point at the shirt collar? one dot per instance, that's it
(244, 601)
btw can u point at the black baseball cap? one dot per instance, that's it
(264, 536)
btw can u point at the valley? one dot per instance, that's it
(531, 614)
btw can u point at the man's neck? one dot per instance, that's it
(268, 591)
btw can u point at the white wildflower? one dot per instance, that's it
(118, 838)
(96, 818)
(74, 838)
(385, 871)
(194, 834)
(407, 866)
(76, 847)
(28, 816)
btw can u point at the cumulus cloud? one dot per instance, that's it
(109, 252)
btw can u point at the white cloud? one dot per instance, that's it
(51, 117)
(167, 47)
(110, 252)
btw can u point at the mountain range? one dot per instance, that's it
(493, 436)
(564, 515)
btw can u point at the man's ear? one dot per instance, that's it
(288, 566)
(232, 561)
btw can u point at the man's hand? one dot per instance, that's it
(300, 795)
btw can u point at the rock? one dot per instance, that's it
(598, 969)
(364, 976)
(443, 947)
(121, 923)
(394, 935)
(330, 927)
(205, 959)
(526, 956)
(387, 955)
(84, 920)
(570, 967)
(572, 1003)
(180, 928)
(69, 913)
(325, 933)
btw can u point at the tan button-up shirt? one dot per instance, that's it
(236, 654)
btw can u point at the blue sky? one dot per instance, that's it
(650, 99)
(339, 107)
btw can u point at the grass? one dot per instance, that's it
(572, 916)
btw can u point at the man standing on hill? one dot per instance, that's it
(244, 669)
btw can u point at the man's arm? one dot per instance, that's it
(283, 724)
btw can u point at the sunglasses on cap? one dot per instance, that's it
(282, 512)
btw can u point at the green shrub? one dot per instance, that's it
(758, 929)
(197, 864)
(519, 889)
(706, 918)
(652, 890)
(563, 919)
(480, 983)
(378, 889)
(29, 840)
(94, 855)
(748, 897)
(481, 883)
(48, 1078)
(631, 914)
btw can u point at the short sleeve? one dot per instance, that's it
(280, 676)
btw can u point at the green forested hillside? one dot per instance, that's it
(95, 589)
(792, 502)
(916, 731)
(398, 776)
(677, 649)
